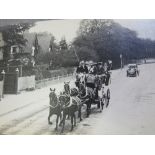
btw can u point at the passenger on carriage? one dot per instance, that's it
(100, 70)
(103, 73)
(80, 73)
(93, 70)
(107, 69)
(91, 80)
(109, 65)
(82, 68)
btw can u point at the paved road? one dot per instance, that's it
(132, 106)
(131, 109)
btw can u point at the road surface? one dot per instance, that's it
(131, 109)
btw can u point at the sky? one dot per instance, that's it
(59, 28)
(145, 28)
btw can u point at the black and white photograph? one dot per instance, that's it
(77, 76)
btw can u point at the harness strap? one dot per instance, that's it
(53, 106)
(70, 103)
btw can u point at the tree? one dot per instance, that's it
(13, 35)
(63, 44)
(35, 46)
(52, 46)
(107, 40)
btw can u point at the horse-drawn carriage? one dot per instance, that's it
(95, 86)
(92, 88)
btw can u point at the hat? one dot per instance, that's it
(82, 62)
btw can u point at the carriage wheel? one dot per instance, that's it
(108, 94)
(107, 98)
(102, 104)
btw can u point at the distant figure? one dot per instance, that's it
(145, 60)
(109, 64)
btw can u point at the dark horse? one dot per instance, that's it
(87, 96)
(55, 107)
(71, 104)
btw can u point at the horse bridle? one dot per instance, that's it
(55, 105)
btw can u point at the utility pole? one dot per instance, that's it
(145, 54)
(121, 58)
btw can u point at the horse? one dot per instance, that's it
(71, 104)
(87, 95)
(54, 108)
(93, 94)
(66, 91)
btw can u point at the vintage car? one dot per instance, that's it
(132, 70)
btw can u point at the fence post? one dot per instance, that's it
(21, 70)
(3, 78)
(17, 75)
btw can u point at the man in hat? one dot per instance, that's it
(109, 65)
(107, 74)
(82, 68)
(100, 68)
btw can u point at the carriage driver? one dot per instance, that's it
(82, 68)
(100, 68)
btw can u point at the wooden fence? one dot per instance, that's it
(53, 80)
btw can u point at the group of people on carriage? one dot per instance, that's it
(93, 75)
(94, 68)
